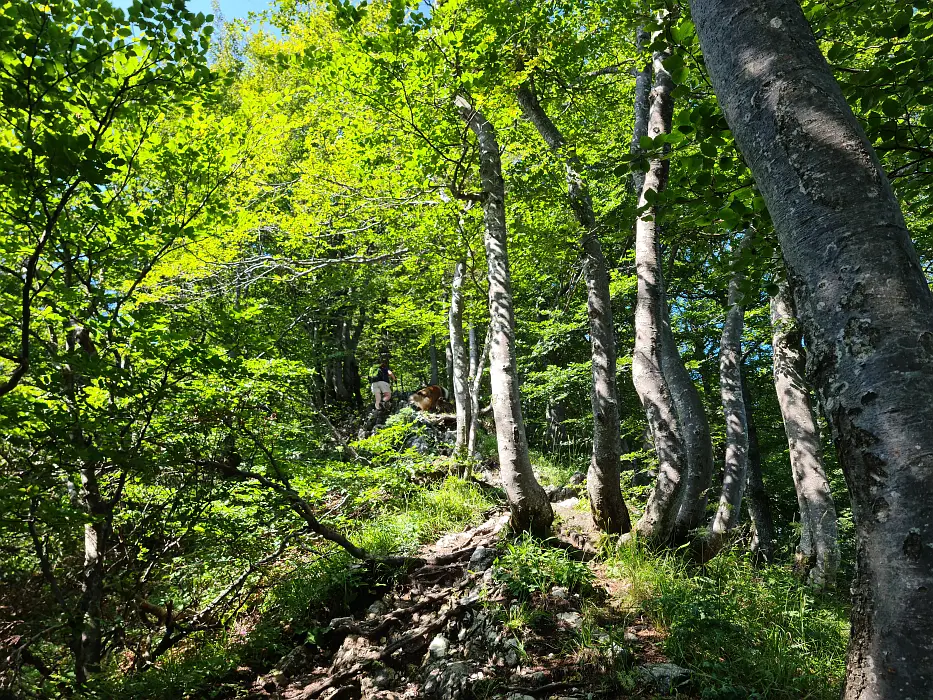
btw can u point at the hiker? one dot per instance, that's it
(382, 384)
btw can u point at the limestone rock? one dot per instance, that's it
(482, 559)
(667, 678)
(447, 680)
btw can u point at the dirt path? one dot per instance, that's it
(451, 631)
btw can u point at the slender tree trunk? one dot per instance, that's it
(89, 645)
(818, 550)
(735, 473)
(337, 363)
(461, 367)
(608, 507)
(642, 105)
(691, 414)
(355, 381)
(477, 362)
(448, 370)
(529, 505)
(658, 521)
(432, 351)
(866, 312)
(694, 427)
(759, 510)
(556, 415)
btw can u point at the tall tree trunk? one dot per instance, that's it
(89, 645)
(432, 352)
(658, 521)
(606, 503)
(759, 510)
(818, 550)
(337, 362)
(461, 366)
(556, 415)
(735, 472)
(642, 105)
(528, 503)
(694, 427)
(448, 370)
(691, 414)
(866, 312)
(477, 361)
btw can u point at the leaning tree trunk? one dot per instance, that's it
(528, 502)
(477, 362)
(818, 550)
(735, 472)
(602, 482)
(694, 427)
(691, 414)
(866, 313)
(759, 510)
(461, 364)
(657, 523)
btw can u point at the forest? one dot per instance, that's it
(466, 349)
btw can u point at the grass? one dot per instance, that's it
(529, 567)
(746, 632)
(289, 607)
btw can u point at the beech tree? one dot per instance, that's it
(528, 503)
(647, 372)
(865, 308)
(818, 547)
(606, 504)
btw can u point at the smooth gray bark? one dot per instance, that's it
(606, 504)
(756, 497)
(694, 427)
(529, 505)
(658, 521)
(642, 103)
(461, 364)
(865, 309)
(735, 471)
(477, 363)
(817, 557)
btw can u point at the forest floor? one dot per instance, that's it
(483, 614)
(456, 627)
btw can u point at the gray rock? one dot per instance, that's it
(560, 592)
(377, 609)
(577, 478)
(511, 656)
(354, 650)
(295, 661)
(555, 494)
(482, 558)
(574, 620)
(667, 678)
(340, 623)
(447, 680)
(438, 647)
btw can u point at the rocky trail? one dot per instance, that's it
(450, 630)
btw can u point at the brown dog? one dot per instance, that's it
(427, 398)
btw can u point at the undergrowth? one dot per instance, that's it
(304, 590)
(745, 631)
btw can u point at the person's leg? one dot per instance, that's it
(377, 393)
